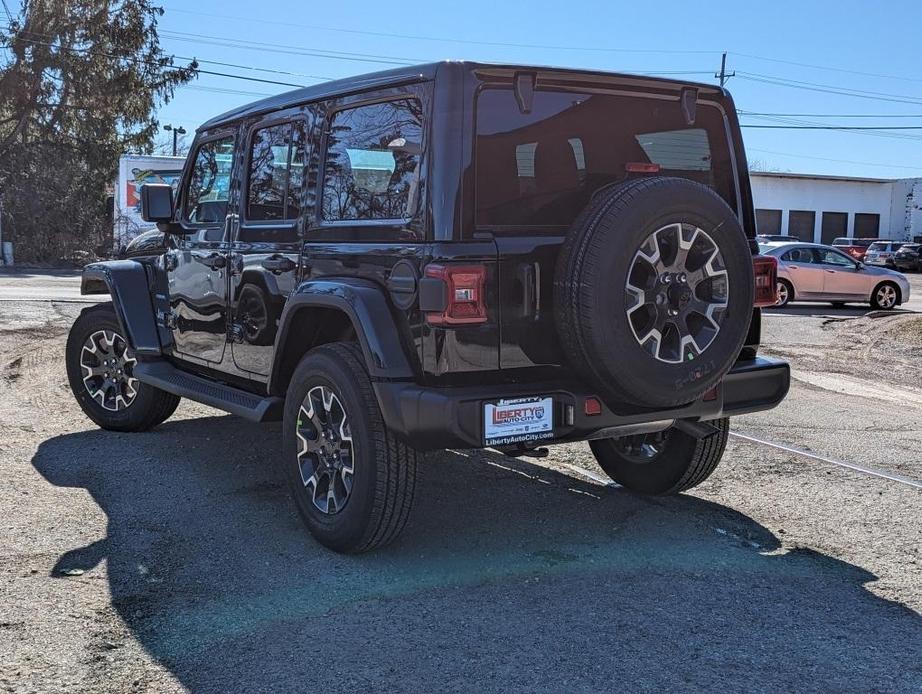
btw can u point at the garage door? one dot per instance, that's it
(834, 224)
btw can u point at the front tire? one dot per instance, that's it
(885, 296)
(351, 478)
(785, 291)
(100, 373)
(661, 464)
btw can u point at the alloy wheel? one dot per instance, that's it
(677, 293)
(325, 453)
(108, 370)
(886, 296)
(782, 291)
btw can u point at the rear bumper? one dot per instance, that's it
(436, 418)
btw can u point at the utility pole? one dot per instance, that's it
(723, 75)
(181, 131)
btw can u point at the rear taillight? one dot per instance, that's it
(464, 294)
(765, 270)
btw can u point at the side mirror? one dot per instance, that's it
(157, 202)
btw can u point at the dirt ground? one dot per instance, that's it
(173, 560)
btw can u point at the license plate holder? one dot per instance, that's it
(518, 420)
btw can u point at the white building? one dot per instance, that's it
(820, 208)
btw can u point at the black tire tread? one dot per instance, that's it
(396, 461)
(708, 454)
(573, 260)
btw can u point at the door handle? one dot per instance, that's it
(215, 261)
(279, 264)
(831, 272)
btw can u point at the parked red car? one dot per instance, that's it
(856, 248)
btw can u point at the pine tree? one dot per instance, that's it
(80, 81)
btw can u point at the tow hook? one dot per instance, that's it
(699, 430)
(521, 451)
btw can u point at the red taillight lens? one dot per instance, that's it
(641, 167)
(765, 270)
(464, 294)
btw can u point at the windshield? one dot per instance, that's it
(878, 246)
(541, 168)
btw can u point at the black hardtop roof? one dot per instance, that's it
(404, 75)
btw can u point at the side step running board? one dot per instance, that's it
(163, 375)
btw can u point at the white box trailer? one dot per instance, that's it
(134, 170)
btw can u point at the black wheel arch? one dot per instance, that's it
(129, 285)
(333, 310)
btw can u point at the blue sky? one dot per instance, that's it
(833, 42)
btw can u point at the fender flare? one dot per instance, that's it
(366, 306)
(126, 282)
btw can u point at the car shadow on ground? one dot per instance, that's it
(827, 310)
(509, 576)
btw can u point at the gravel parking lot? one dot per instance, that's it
(173, 560)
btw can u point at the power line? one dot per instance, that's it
(833, 127)
(155, 63)
(830, 115)
(841, 161)
(281, 48)
(828, 89)
(441, 39)
(872, 133)
(827, 67)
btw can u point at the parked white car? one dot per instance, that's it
(813, 272)
(881, 252)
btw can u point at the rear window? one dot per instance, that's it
(842, 241)
(541, 168)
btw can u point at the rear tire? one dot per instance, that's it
(351, 478)
(663, 464)
(114, 399)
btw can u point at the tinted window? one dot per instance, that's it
(209, 184)
(541, 168)
(372, 162)
(276, 172)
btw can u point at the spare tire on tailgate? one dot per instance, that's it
(653, 291)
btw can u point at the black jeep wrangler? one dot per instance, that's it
(454, 255)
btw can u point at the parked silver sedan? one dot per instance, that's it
(813, 272)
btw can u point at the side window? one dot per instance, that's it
(798, 255)
(372, 162)
(836, 258)
(275, 173)
(209, 185)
